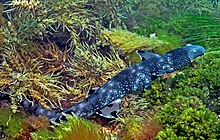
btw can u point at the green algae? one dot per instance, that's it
(187, 117)
(11, 123)
(74, 129)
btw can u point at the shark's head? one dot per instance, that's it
(176, 59)
(194, 51)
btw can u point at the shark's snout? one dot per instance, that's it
(194, 51)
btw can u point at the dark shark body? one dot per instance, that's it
(128, 81)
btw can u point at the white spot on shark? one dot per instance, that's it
(133, 70)
(103, 90)
(140, 67)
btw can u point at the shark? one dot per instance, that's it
(129, 81)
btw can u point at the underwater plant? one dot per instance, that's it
(68, 23)
(11, 124)
(187, 118)
(193, 28)
(129, 42)
(21, 78)
(133, 12)
(137, 127)
(200, 29)
(90, 68)
(74, 129)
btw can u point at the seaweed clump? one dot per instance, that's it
(21, 78)
(69, 23)
(189, 111)
(74, 129)
(11, 124)
(129, 42)
(187, 117)
(36, 65)
(138, 127)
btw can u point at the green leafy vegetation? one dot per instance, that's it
(189, 100)
(188, 118)
(74, 129)
(11, 124)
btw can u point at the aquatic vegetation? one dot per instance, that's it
(67, 23)
(92, 69)
(1, 38)
(130, 42)
(133, 126)
(193, 28)
(10, 123)
(2, 19)
(36, 123)
(75, 129)
(51, 58)
(134, 105)
(187, 117)
(172, 41)
(202, 81)
(138, 127)
(133, 11)
(21, 78)
(200, 29)
(31, 58)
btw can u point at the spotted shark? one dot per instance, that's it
(129, 81)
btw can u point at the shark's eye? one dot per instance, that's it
(194, 51)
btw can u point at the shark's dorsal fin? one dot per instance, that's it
(144, 55)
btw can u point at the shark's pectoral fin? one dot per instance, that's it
(144, 55)
(110, 110)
